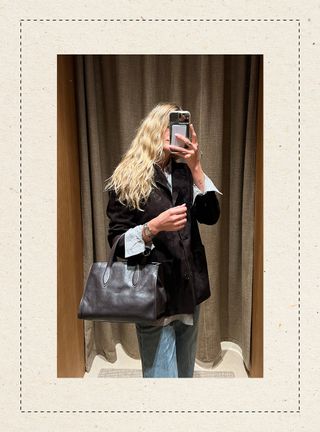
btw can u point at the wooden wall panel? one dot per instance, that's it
(70, 333)
(257, 297)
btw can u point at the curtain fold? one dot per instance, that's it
(114, 92)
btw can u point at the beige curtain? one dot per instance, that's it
(114, 92)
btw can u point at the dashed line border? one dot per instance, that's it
(299, 212)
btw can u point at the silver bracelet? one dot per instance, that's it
(148, 231)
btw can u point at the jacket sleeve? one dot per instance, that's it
(205, 207)
(121, 219)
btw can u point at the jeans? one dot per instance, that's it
(168, 351)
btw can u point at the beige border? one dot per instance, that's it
(284, 183)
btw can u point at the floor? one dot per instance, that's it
(231, 365)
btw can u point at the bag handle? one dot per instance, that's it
(113, 249)
(110, 261)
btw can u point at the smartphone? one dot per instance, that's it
(179, 123)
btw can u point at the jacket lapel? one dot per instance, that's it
(178, 180)
(161, 180)
(180, 184)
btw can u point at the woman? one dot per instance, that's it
(158, 202)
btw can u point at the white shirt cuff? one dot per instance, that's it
(208, 186)
(134, 243)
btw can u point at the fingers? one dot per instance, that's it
(180, 224)
(179, 209)
(190, 145)
(175, 212)
(194, 135)
(175, 149)
(174, 218)
(180, 217)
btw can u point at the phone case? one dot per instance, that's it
(179, 123)
(180, 129)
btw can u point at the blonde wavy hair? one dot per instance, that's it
(132, 180)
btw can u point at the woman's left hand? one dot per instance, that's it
(191, 153)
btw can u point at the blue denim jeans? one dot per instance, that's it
(168, 351)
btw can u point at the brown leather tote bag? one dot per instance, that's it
(120, 291)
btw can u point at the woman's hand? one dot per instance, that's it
(192, 153)
(172, 219)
